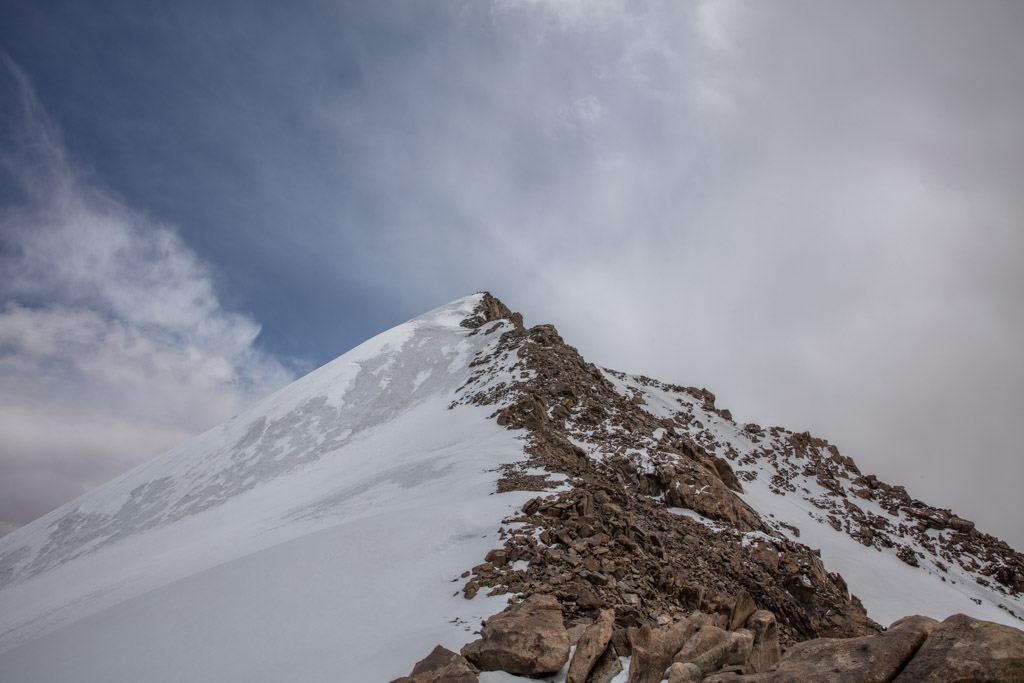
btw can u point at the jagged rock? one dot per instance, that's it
(960, 524)
(607, 666)
(684, 673)
(441, 666)
(966, 649)
(622, 639)
(592, 644)
(868, 659)
(740, 610)
(711, 648)
(704, 639)
(688, 484)
(653, 648)
(766, 651)
(528, 638)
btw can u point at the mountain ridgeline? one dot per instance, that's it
(642, 533)
(464, 469)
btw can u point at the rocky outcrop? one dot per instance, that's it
(441, 666)
(698, 647)
(696, 596)
(590, 647)
(612, 540)
(653, 649)
(966, 649)
(765, 652)
(869, 659)
(528, 638)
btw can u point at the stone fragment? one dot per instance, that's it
(765, 652)
(966, 649)
(708, 637)
(653, 648)
(441, 666)
(868, 659)
(623, 638)
(528, 638)
(740, 610)
(684, 673)
(712, 648)
(607, 667)
(591, 646)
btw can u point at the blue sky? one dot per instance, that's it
(813, 209)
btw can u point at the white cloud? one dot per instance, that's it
(113, 344)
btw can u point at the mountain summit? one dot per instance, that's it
(389, 501)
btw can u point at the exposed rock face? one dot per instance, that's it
(653, 649)
(528, 638)
(869, 659)
(765, 653)
(684, 673)
(441, 666)
(607, 666)
(966, 649)
(590, 647)
(611, 539)
(610, 554)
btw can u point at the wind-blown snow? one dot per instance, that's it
(310, 538)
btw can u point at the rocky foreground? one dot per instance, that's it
(603, 562)
(530, 639)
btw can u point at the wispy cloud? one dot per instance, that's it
(113, 343)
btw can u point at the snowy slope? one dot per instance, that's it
(309, 538)
(778, 484)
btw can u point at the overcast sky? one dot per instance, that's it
(814, 209)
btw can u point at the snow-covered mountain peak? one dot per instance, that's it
(390, 500)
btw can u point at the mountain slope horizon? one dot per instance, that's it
(321, 534)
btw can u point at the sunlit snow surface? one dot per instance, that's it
(311, 538)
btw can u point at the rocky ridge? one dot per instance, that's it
(619, 458)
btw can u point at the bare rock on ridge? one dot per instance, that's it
(528, 638)
(868, 659)
(966, 649)
(591, 645)
(441, 666)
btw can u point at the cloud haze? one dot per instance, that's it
(811, 208)
(113, 346)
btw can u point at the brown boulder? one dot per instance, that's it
(690, 485)
(441, 666)
(711, 648)
(868, 659)
(740, 609)
(653, 648)
(591, 645)
(766, 652)
(684, 673)
(966, 649)
(607, 667)
(528, 638)
(709, 636)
